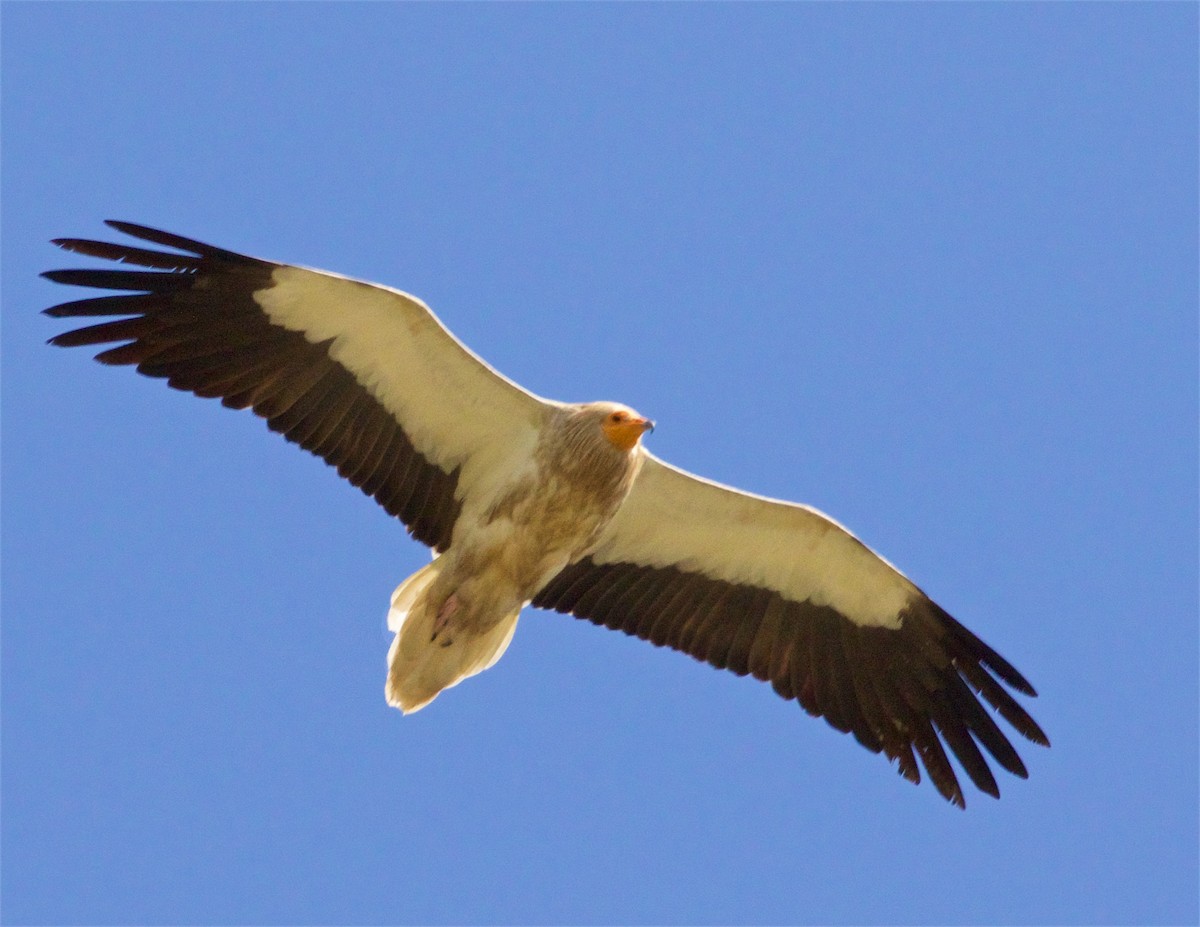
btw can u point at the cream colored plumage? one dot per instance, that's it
(530, 500)
(455, 617)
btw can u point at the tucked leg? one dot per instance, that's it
(442, 622)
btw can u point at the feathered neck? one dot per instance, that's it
(576, 448)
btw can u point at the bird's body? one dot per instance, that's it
(526, 500)
(455, 617)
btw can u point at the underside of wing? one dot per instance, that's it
(361, 375)
(780, 592)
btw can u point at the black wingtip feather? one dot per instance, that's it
(136, 281)
(129, 254)
(168, 240)
(982, 652)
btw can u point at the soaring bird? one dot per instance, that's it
(527, 500)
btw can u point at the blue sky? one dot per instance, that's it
(931, 268)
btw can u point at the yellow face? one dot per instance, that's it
(624, 428)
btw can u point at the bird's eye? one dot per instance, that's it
(617, 417)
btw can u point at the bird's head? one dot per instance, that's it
(621, 425)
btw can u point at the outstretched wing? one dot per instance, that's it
(361, 375)
(781, 592)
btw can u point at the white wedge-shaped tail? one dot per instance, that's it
(422, 664)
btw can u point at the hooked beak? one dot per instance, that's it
(626, 434)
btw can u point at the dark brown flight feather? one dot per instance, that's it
(897, 690)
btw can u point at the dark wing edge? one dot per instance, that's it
(192, 320)
(907, 693)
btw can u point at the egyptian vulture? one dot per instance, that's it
(526, 500)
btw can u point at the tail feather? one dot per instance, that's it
(419, 668)
(404, 599)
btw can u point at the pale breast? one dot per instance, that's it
(551, 518)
